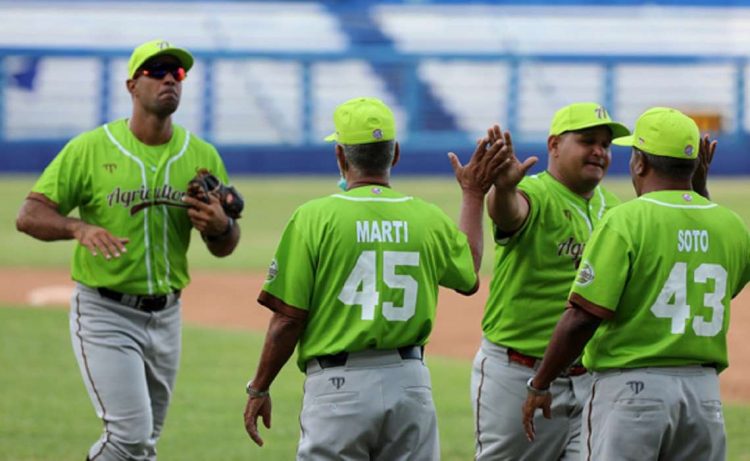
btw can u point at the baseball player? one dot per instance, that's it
(128, 180)
(654, 290)
(541, 224)
(354, 282)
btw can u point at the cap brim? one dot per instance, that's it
(624, 140)
(185, 58)
(331, 137)
(618, 129)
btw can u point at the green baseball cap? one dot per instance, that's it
(362, 121)
(582, 115)
(154, 48)
(666, 132)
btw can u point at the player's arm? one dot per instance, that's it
(39, 217)
(220, 232)
(506, 205)
(575, 328)
(284, 331)
(475, 179)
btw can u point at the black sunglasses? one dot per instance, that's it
(159, 71)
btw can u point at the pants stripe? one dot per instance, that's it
(479, 398)
(90, 378)
(588, 420)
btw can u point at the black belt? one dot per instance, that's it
(339, 360)
(146, 303)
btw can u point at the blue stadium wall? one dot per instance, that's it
(732, 158)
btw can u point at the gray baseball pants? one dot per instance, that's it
(128, 360)
(498, 391)
(664, 413)
(376, 407)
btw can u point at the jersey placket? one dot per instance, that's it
(165, 164)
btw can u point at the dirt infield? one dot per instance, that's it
(227, 300)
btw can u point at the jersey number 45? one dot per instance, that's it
(672, 300)
(364, 275)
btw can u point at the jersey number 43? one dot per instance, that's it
(672, 300)
(364, 275)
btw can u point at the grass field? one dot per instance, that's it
(45, 414)
(44, 410)
(270, 201)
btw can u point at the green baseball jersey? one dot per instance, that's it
(366, 265)
(134, 191)
(535, 267)
(661, 271)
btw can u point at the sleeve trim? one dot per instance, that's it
(577, 301)
(277, 305)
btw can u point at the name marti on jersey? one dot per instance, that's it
(382, 231)
(692, 241)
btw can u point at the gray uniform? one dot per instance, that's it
(558, 438)
(386, 401)
(128, 359)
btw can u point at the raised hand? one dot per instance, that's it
(511, 170)
(705, 157)
(479, 174)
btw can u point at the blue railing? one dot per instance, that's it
(417, 138)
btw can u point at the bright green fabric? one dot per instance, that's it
(109, 175)
(366, 264)
(536, 266)
(667, 265)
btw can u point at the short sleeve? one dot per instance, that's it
(604, 268)
(459, 273)
(63, 179)
(292, 272)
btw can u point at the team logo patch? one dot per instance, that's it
(377, 133)
(636, 386)
(585, 274)
(601, 113)
(687, 197)
(273, 269)
(337, 381)
(376, 190)
(688, 150)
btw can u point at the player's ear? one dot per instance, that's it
(130, 85)
(396, 155)
(552, 142)
(341, 159)
(639, 163)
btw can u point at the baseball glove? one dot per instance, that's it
(205, 183)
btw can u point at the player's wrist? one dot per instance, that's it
(254, 393)
(224, 234)
(536, 390)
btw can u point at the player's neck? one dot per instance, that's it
(367, 181)
(151, 130)
(584, 190)
(655, 184)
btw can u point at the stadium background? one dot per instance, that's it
(267, 79)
